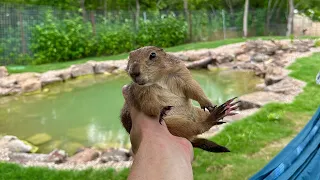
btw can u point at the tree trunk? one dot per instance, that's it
(290, 18)
(245, 18)
(82, 6)
(270, 12)
(229, 3)
(188, 18)
(137, 14)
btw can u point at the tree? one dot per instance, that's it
(245, 18)
(270, 11)
(290, 18)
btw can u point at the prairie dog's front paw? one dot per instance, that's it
(207, 105)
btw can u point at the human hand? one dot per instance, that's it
(157, 153)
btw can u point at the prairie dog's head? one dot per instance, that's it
(146, 65)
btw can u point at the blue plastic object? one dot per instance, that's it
(300, 159)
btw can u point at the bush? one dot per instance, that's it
(54, 41)
(165, 32)
(115, 41)
(71, 38)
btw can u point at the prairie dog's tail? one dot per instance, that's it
(207, 145)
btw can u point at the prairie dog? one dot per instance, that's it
(163, 87)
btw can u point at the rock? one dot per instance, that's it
(318, 78)
(194, 55)
(56, 156)
(85, 155)
(259, 57)
(116, 155)
(102, 67)
(243, 57)
(261, 86)
(81, 69)
(258, 99)
(3, 71)
(275, 74)
(287, 86)
(224, 58)
(30, 85)
(7, 82)
(16, 83)
(271, 79)
(39, 139)
(9, 91)
(279, 52)
(24, 76)
(14, 144)
(262, 47)
(55, 76)
(258, 68)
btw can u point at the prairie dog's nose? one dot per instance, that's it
(135, 74)
(134, 70)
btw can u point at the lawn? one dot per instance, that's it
(253, 141)
(191, 46)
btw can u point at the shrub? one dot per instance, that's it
(54, 41)
(164, 32)
(115, 40)
(71, 38)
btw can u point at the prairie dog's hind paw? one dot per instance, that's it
(164, 112)
(225, 109)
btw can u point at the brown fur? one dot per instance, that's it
(165, 81)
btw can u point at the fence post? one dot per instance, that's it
(224, 24)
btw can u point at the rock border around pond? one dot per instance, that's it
(268, 59)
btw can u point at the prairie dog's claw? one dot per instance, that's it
(210, 108)
(164, 112)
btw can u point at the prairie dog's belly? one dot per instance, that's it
(181, 104)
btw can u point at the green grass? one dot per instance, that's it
(253, 141)
(14, 172)
(61, 65)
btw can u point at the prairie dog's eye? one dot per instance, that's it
(152, 55)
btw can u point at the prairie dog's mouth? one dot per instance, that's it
(139, 81)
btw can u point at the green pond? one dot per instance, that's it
(85, 111)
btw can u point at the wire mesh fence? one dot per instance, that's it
(18, 25)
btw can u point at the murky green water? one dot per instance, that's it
(86, 111)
